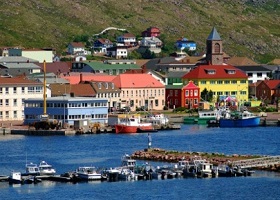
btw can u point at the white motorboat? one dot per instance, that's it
(32, 169)
(157, 119)
(46, 169)
(88, 173)
(128, 162)
(15, 178)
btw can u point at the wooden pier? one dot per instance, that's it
(258, 162)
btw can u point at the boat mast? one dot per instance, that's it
(45, 88)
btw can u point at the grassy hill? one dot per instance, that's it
(247, 27)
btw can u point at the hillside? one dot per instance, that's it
(248, 27)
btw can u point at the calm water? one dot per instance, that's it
(66, 153)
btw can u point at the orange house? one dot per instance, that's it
(190, 95)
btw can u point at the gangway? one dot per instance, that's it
(257, 162)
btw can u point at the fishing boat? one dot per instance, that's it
(46, 169)
(239, 119)
(133, 124)
(15, 178)
(156, 119)
(32, 169)
(88, 173)
(203, 117)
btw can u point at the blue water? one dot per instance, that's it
(66, 153)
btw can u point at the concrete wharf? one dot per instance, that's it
(257, 162)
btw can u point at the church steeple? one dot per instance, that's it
(214, 48)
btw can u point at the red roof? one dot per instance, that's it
(272, 84)
(190, 85)
(215, 72)
(76, 77)
(137, 81)
(128, 35)
(17, 81)
(77, 44)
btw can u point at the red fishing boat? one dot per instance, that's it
(133, 124)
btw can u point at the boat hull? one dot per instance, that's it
(250, 122)
(132, 129)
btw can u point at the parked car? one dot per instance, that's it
(125, 109)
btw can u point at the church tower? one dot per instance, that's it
(214, 48)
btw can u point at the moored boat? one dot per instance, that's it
(32, 169)
(133, 124)
(46, 169)
(88, 173)
(239, 119)
(15, 178)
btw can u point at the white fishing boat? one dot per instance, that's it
(15, 178)
(156, 119)
(32, 169)
(46, 169)
(88, 173)
(128, 162)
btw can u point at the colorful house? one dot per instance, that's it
(224, 81)
(190, 95)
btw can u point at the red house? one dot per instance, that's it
(190, 95)
(151, 32)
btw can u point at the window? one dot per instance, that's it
(1, 102)
(243, 81)
(156, 102)
(227, 82)
(195, 92)
(250, 74)
(217, 48)
(212, 82)
(202, 82)
(15, 102)
(259, 75)
(187, 93)
(22, 90)
(176, 93)
(15, 90)
(234, 82)
(15, 114)
(171, 93)
(7, 102)
(7, 114)
(1, 90)
(219, 82)
(6, 90)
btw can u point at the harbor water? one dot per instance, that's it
(66, 153)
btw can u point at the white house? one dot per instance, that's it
(118, 52)
(39, 54)
(13, 91)
(152, 43)
(255, 73)
(127, 39)
(76, 48)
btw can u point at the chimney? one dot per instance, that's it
(81, 77)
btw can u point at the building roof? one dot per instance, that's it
(21, 65)
(128, 35)
(16, 59)
(219, 72)
(214, 35)
(77, 77)
(105, 41)
(105, 87)
(175, 74)
(137, 81)
(102, 66)
(190, 85)
(241, 61)
(56, 67)
(253, 68)
(81, 89)
(272, 84)
(17, 81)
(77, 44)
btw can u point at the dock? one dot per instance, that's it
(262, 162)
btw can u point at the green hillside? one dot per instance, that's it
(248, 27)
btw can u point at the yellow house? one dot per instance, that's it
(225, 81)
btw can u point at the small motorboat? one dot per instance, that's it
(88, 173)
(15, 178)
(32, 169)
(46, 169)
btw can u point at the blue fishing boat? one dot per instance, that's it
(239, 119)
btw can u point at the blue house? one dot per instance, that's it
(184, 43)
(73, 108)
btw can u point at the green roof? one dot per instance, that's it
(103, 66)
(174, 86)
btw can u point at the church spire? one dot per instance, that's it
(214, 35)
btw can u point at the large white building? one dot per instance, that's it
(13, 92)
